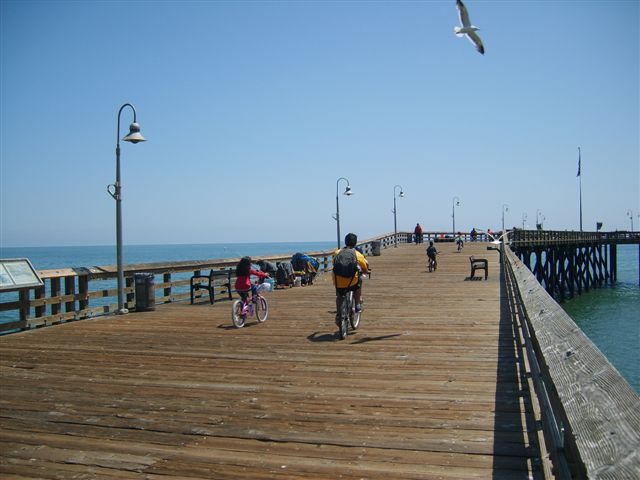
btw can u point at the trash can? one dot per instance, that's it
(145, 292)
(375, 248)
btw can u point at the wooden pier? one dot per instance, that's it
(431, 386)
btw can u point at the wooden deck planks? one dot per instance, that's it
(428, 387)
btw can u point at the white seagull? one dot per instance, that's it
(467, 29)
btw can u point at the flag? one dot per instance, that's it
(578, 162)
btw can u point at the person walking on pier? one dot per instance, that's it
(418, 233)
(348, 267)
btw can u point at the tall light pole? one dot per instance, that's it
(630, 215)
(524, 219)
(115, 190)
(539, 218)
(395, 223)
(505, 208)
(348, 192)
(455, 202)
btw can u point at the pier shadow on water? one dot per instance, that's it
(516, 453)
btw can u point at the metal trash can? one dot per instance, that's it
(145, 292)
(376, 245)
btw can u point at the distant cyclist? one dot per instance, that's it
(348, 266)
(459, 241)
(431, 256)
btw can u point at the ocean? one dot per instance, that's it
(609, 316)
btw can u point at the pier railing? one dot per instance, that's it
(591, 415)
(528, 238)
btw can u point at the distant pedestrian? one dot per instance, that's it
(473, 235)
(418, 233)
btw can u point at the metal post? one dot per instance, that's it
(395, 223)
(580, 176)
(505, 208)
(454, 202)
(347, 192)
(134, 136)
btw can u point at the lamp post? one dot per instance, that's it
(115, 190)
(505, 208)
(348, 192)
(395, 223)
(524, 219)
(539, 218)
(630, 215)
(455, 202)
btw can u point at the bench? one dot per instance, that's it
(196, 283)
(479, 264)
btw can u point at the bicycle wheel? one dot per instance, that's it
(237, 316)
(344, 316)
(354, 317)
(262, 308)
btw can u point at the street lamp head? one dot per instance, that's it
(134, 134)
(401, 194)
(348, 192)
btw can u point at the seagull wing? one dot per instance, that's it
(475, 39)
(463, 14)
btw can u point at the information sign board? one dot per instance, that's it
(18, 273)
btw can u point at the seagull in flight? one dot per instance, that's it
(466, 28)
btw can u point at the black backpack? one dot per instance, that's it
(345, 263)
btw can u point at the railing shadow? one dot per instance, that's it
(515, 450)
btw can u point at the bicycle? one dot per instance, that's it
(348, 314)
(432, 265)
(243, 308)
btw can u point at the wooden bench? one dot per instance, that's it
(479, 264)
(197, 284)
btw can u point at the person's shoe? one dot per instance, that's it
(359, 308)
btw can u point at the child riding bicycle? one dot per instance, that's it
(431, 256)
(348, 267)
(459, 241)
(243, 284)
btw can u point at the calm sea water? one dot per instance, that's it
(610, 316)
(45, 258)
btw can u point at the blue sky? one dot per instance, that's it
(253, 110)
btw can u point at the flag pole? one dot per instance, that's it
(580, 176)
